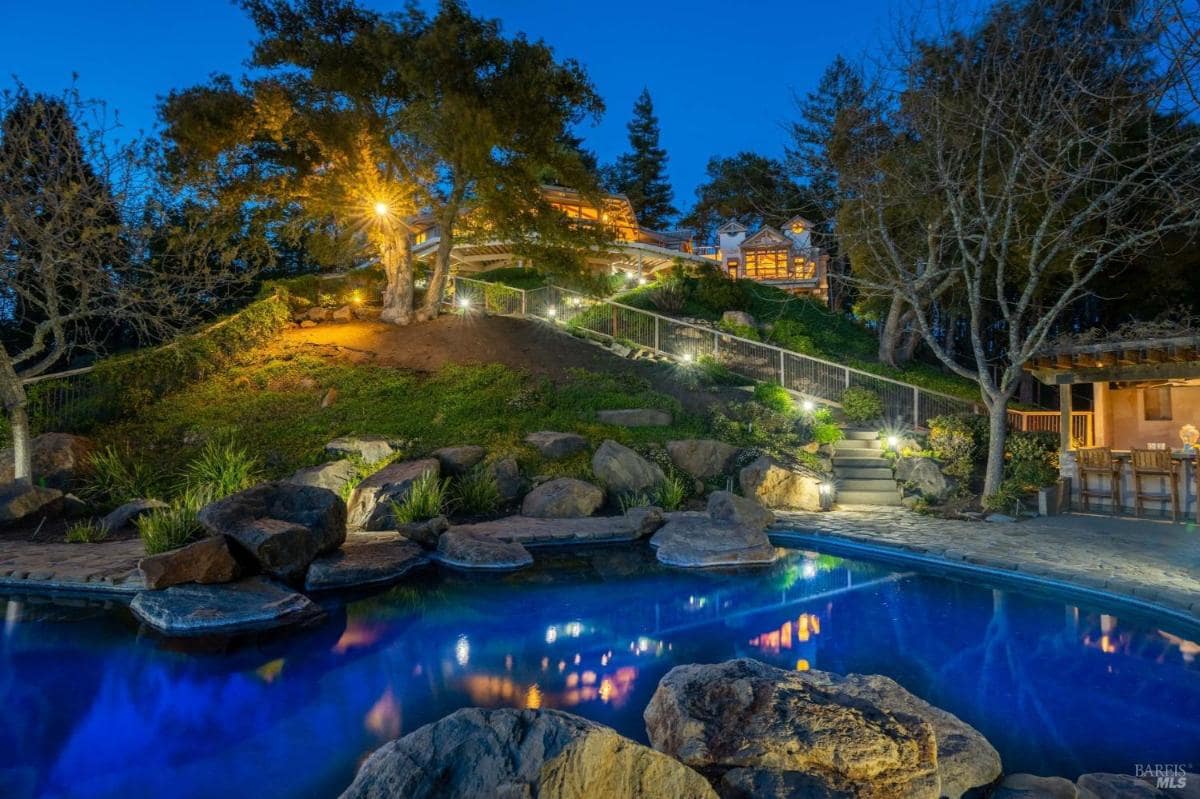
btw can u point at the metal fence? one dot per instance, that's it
(903, 403)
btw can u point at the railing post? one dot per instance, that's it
(716, 345)
(847, 378)
(523, 303)
(782, 376)
(916, 407)
(656, 347)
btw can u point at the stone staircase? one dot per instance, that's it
(862, 475)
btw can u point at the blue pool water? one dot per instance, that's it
(93, 707)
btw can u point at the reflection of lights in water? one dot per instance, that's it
(562, 665)
(604, 660)
(574, 629)
(533, 697)
(551, 634)
(545, 663)
(801, 665)
(462, 650)
(806, 626)
(1187, 649)
(697, 602)
(589, 678)
(270, 670)
(358, 634)
(572, 680)
(577, 658)
(606, 690)
(808, 569)
(1106, 645)
(508, 662)
(384, 717)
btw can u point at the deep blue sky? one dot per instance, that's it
(721, 73)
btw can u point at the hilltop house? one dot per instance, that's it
(785, 259)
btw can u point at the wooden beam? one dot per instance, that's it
(1064, 418)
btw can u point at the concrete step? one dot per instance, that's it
(858, 445)
(861, 435)
(869, 497)
(866, 484)
(863, 473)
(860, 460)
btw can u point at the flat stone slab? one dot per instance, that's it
(530, 531)
(105, 568)
(245, 606)
(461, 549)
(365, 559)
(554, 445)
(370, 448)
(635, 417)
(694, 540)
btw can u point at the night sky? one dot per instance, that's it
(722, 74)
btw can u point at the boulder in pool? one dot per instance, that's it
(1101, 785)
(695, 540)
(636, 523)
(464, 549)
(365, 559)
(282, 526)
(782, 728)
(521, 753)
(248, 605)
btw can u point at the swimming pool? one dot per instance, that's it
(91, 707)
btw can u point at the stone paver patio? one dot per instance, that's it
(1146, 561)
(110, 567)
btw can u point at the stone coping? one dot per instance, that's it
(104, 570)
(1078, 557)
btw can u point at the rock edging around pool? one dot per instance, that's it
(734, 729)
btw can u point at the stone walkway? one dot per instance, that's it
(1147, 561)
(107, 568)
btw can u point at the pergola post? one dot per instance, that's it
(1064, 417)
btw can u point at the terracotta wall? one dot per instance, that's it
(1121, 422)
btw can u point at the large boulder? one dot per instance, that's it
(371, 501)
(521, 753)
(554, 445)
(695, 540)
(1027, 786)
(726, 506)
(459, 460)
(366, 559)
(59, 460)
(249, 605)
(282, 526)
(124, 516)
(371, 449)
(624, 471)
(1101, 785)
(206, 561)
(334, 475)
(776, 486)
(636, 523)
(563, 498)
(635, 417)
(702, 457)
(924, 475)
(739, 318)
(465, 549)
(426, 533)
(747, 715)
(507, 475)
(19, 502)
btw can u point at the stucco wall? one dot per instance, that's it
(1125, 426)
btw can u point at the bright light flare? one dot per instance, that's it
(552, 312)
(382, 209)
(464, 303)
(808, 405)
(687, 357)
(893, 441)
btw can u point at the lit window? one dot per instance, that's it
(797, 227)
(1157, 403)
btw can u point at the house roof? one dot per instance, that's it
(732, 226)
(1119, 359)
(766, 237)
(797, 218)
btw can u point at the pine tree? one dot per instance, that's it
(641, 174)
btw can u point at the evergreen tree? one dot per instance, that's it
(641, 174)
(751, 188)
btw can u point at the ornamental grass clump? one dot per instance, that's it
(476, 492)
(175, 525)
(86, 532)
(774, 396)
(426, 498)
(116, 477)
(221, 469)
(671, 493)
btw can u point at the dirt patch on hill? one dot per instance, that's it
(518, 343)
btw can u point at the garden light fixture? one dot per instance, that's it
(893, 442)
(551, 312)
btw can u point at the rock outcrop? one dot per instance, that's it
(465, 549)
(206, 561)
(694, 540)
(371, 449)
(507, 475)
(124, 516)
(521, 753)
(563, 498)
(59, 460)
(553, 445)
(702, 458)
(249, 605)
(636, 523)
(635, 417)
(924, 475)
(459, 460)
(776, 486)
(725, 506)
(623, 471)
(763, 731)
(334, 475)
(19, 502)
(282, 526)
(365, 559)
(370, 506)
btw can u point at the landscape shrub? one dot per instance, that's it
(513, 276)
(115, 477)
(671, 296)
(861, 405)
(709, 371)
(357, 286)
(824, 429)
(671, 493)
(1006, 499)
(476, 492)
(634, 499)
(171, 527)
(741, 331)
(89, 531)
(716, 291)
(774, 396)
(958, 440)
(1032, 459)
(428, 497)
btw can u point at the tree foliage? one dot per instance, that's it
(751, 188)
(641, 173)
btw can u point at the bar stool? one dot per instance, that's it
(1154, 463)
(1099, 461)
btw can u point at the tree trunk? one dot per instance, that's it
(997, 434)
(13, 393)
(398, 293)
(908, 346)
(889, 334)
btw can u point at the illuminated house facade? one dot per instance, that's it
(784, 259)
